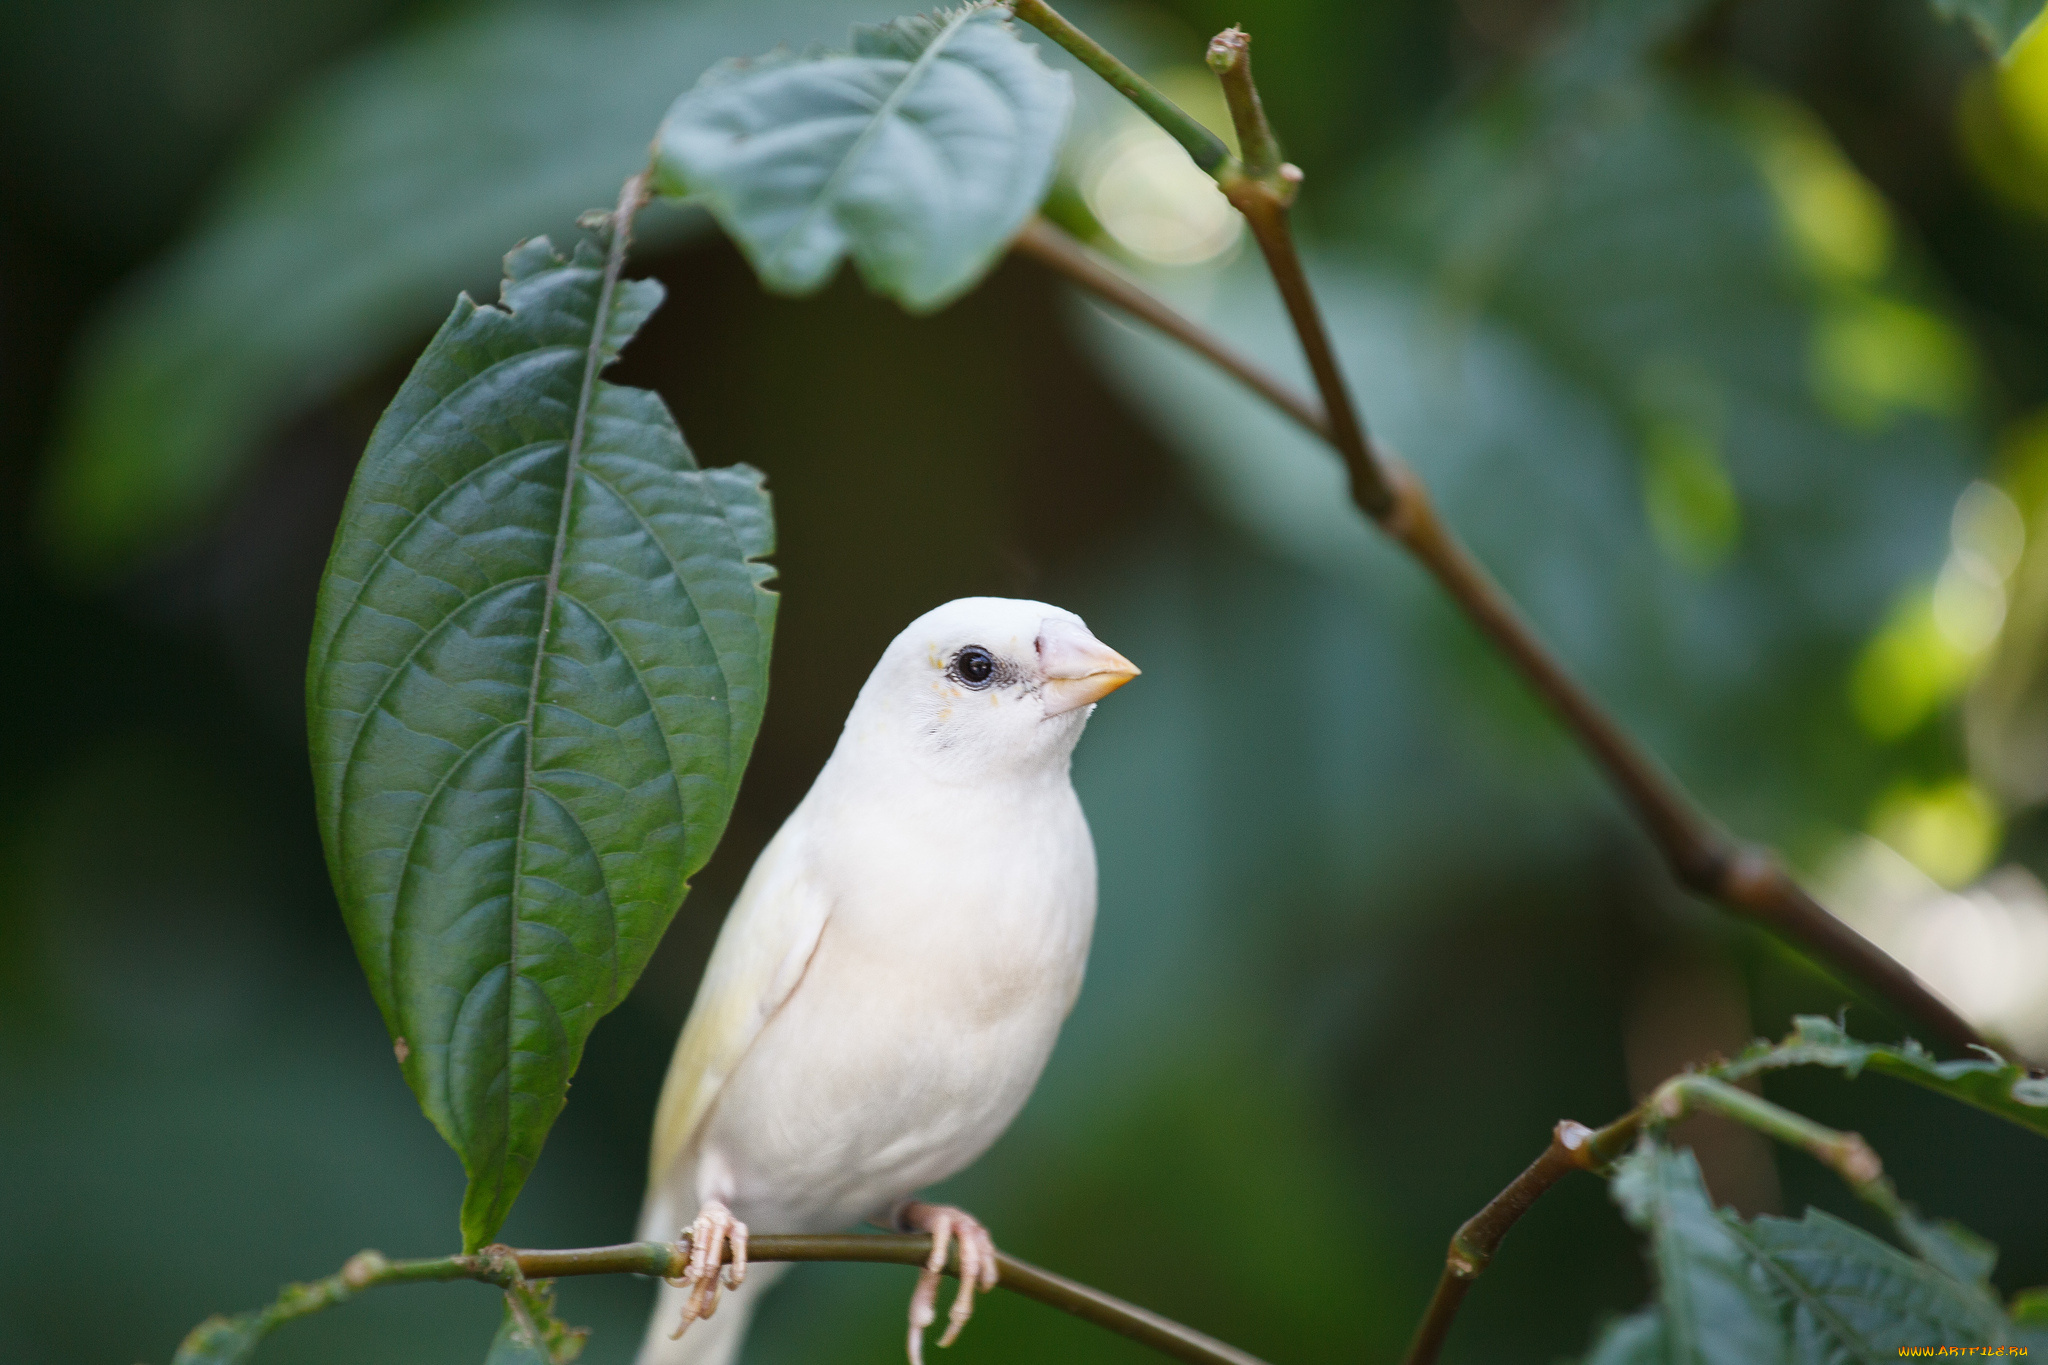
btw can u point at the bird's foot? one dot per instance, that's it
(714, 1229)
(947, 1225)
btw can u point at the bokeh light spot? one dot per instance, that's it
(1873, 358)
(1949, 830)
(1836, 221)
(1907, 670)
(1688, 495)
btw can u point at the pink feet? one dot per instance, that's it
(713, 1230)
(947, 1225)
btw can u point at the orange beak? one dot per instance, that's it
(1079, 669)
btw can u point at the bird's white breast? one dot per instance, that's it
(956, 936)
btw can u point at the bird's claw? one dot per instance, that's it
(710, 1234)
(948, 1226)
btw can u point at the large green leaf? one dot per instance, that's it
(1998, 22)
(919, 154)
(1852, 1298)
(538, 667)
(1992, 1083)
(388, 184)
(1716, 1310)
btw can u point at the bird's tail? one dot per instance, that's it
(715, 1340)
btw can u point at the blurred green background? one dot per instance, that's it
(1720, 328)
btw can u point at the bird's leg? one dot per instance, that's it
(713, 1230)
(947, 1225)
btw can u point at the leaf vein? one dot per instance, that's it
(883, 113)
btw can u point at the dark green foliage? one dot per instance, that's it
(538, 667)
(1812, 1291)
(1713, 1309)
(1850, 1295)
(382, 188)
(919, 154)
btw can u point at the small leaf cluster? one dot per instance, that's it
(1817, 1289)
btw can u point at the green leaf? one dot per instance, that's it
(530, 1333)
(1989, 1082)
(222, 1340)
(1816, 1291)
(1716, 1309)
(2030, 1307)
(388, 184)
(1999, 23)
(919, 154)
(539, 662)
(1948, 1245)
(1853, 1298)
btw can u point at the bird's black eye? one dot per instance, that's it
(974, 666)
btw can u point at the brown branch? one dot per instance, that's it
(1745, 879)
(1573, 1147)
(1046, 244)
(504, 1266)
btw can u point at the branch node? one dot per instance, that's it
(1751, 874)
(362, 1269)
(1226, 47)
(498, 1264)
(1857, 1161)
(1464, 1261)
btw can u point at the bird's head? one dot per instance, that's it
(989, 683)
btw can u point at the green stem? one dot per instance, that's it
(505, 1266)
(1207, 149)
(1846, 1154)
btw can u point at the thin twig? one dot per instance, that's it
(1746, 879)
(505, 1266)
(1045, 243)
(1230, 57)
(1573, 1147)
(1261, 190)
(1372, 483)
(1846, 1154)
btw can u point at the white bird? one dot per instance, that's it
(889, 983)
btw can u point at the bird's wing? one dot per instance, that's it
(760, 956)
